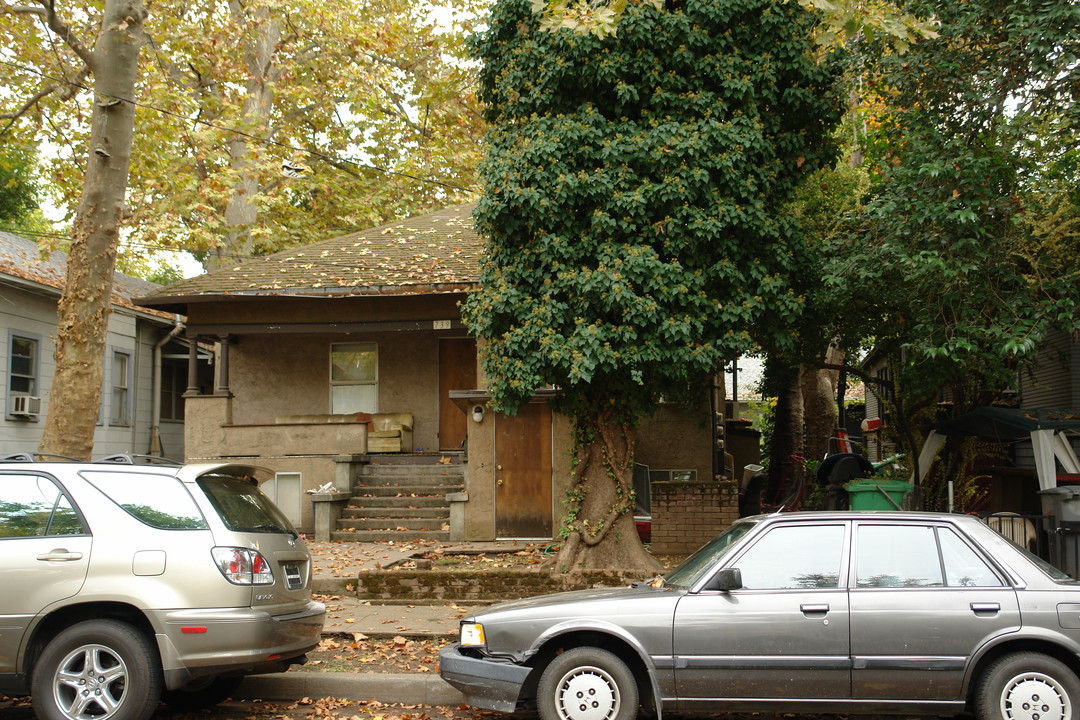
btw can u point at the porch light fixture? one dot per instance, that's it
(478, 413)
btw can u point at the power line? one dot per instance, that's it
(274, 143)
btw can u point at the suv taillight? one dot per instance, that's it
(242, 566)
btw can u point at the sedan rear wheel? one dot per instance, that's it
(1027, 686)
(587, 683)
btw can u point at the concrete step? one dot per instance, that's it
(402, 512)
(404, 491)
(405, 503)
(425, 470)
(410, 480)
(391, 524)
(383, 535)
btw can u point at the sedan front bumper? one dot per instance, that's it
(487, 684)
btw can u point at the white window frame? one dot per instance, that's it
(374, 382)
(120, 409)
(35, 376)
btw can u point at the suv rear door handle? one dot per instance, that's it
(59, 555)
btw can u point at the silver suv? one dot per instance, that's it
(126, 582)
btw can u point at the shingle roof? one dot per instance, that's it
(21, 258)
(437, 252)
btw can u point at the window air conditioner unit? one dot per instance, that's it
(25, 405)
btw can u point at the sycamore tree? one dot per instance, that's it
(263, 124)
(632, 183)
(107, 56)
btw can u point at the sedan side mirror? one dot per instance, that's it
(726, 579)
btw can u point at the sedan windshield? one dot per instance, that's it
(689, 571)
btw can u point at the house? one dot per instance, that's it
(145, 360)
(348, 357)
(1035, 425)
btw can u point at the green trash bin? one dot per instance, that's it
(873, 494)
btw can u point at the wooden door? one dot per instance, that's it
(523, 473)
(457, 371)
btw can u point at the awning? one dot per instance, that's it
(1044, 427)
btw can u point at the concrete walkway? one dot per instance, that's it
(334, 564)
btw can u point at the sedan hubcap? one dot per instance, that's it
(587, 693)
(90, 683)
(1034, 696)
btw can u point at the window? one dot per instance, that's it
(22, 365)
(242, 505)
(687, 475)
(909, 557)
(797, 557)
(354, 377)
(173, 387)
(33, 506)
(121, 385)
(156, 500)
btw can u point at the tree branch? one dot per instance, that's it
(61, 29)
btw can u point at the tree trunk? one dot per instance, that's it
(242, 210)
(75, 397)
(600, 505)
(819, 404)
(786, 464)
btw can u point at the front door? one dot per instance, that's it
(783, 635)
(457, 371)
(523, 473)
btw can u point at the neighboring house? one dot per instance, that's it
(142, 403)
(1043, 397)
(351, 352)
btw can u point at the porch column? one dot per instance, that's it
(193, 368)
(223, 365)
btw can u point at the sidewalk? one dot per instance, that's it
(334, 563)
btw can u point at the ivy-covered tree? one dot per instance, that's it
(632, 193)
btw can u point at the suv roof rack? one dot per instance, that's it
(134, 459)
(35, 457)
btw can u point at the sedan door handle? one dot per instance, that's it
(59, 555)
(985, 608)
(808, 609)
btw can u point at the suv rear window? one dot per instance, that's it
(159, 501)
(242, 506)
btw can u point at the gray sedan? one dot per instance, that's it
(852, 612)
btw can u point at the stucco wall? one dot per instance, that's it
(480, 476)
(288, 373)
(271, 376)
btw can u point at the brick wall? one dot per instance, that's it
(686, 515)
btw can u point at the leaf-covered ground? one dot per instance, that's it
(360, 653)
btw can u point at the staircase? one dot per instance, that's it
(400, 502)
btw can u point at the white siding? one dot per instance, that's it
(34, 313)
(1051, 382)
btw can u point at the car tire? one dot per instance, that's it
(201, 693)
(97, 670)
(587, 683)
(1025, 685)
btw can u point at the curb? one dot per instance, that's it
(389, 688)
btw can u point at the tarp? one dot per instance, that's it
(1043, 427)
(1007, 424)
